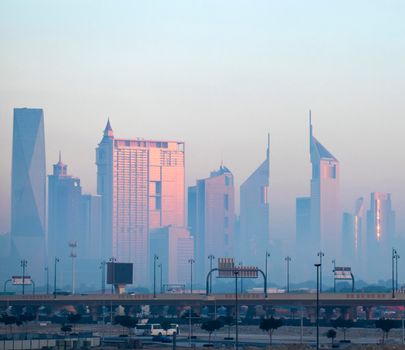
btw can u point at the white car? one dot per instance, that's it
(149, 329)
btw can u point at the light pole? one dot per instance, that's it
(236, 272)
(54, 276)
(241, 280)
(47, 279)
(112, 261)
(334, 280)
(161, 277)
(321, 254)
(318, 267)
(396, 270)
(267, 256)
(288, 259)
(102, 268)
(155, 258)
(23, 265)
(73, 255)
(191, 262)
(211, 257)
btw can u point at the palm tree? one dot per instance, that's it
(211, 326)
(385, 325)
(343, 324)
(331, 334)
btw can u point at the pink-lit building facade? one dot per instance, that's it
(142, 187)
(325, 199)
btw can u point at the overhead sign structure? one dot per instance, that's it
(228, 269)
(343, 273)
(19, 280)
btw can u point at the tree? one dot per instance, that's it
(269, 325)
(74, 318)
(228, 321)
(331, 334)
(66, 328)
(126, 322)
(385, 325)
(211, 326)
(8, 320)
(343, 324)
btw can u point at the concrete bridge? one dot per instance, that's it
(307, 300)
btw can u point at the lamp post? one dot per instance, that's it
(396, 270)
(155, 258)
(191, 262)
(321, 254)
(23, 265)
(334, 280)
(288, 259)
(241, 280)
(112, 261)
(161, 277)
(102, 268)
(211, 257)
(73, 255)
(318, 267)
(236, 272)
(54, 276)
(47, 279)
(266, 270)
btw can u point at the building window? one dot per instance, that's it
(158, 203)
(158, 187)
(226, 201)
(226, 222)
(332, 171)
(227, 181)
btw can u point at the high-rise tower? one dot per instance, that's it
(213, 201)
(255, 214)
(142, 187)
(325, 198)
(28, 190)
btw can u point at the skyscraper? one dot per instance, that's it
(28, 191)
(325, 198)
(213, 200)
(255, 214)
(142, 187)
(64, 211)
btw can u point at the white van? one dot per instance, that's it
(174, 328)
(149, 329)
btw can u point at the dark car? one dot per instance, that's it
(161, 339)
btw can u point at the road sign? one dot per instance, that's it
(343, 273)
(18, 280)
(227, 269)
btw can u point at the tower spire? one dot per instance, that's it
(108, 131)
(60, 156)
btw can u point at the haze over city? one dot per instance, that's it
(218, 76)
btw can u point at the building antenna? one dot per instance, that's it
(60, 156)
(268, 146)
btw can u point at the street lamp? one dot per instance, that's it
(23, 265)
(155, 258)
(267, 256)
(161, 277)
(102, 268)
(211, 257)
(236, 272)
(396, 270)
(191, 262)
(241, 280)
(321, 255)
(334, 279)
(318, 267)
(73, 255)
(47, 279)
(54, 276)
(288, 259)
(112, 261)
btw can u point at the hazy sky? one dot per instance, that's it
(218, 75)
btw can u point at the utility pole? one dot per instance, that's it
(24, 264)
(288, 260)
(396, 270)
(236, 272)
(334, 280)
(211, 257)
(318, 267)
(155, 258)
(161, 277)
(241, 280)
(112, 261)
(266, 270)
(102, 268)
(321, 255)
(73, 255)
(191, 262)
(47, 279)
(394, 253)
(54, 277)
